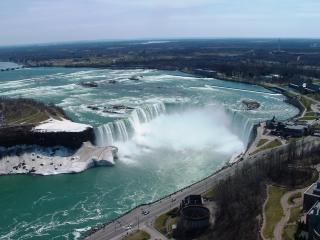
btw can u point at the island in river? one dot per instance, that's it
(37, 138)
(250, 104)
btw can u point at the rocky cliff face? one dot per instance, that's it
(17, 135)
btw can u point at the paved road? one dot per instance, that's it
(135, 217)
(119, 227)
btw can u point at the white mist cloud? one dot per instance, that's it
(197, 130)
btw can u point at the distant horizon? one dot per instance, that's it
(149, 39)
(44, 21)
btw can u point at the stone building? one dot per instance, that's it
(194, 217)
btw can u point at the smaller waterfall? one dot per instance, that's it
(241, 124)
(122, 130)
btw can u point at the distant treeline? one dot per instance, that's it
(250, 59)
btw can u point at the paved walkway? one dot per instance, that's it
(264, 214)
(286, 207)
(155, 235)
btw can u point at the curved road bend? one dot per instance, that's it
(118, 227)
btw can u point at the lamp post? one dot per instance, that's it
(138, 222)
(115, 224)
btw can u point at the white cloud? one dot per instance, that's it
(59, 20)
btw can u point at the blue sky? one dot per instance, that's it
(37, 21)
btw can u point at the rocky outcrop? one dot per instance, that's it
(37, 160)
(89, 84)
(251, 105)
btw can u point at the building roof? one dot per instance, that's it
(307, 85)
(205, 70)
(314, 190)
(192, 200)
(195, 213)
(296, 127)
(315, 210)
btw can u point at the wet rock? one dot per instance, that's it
(95, 108)
(251, 105)
(136, 77)
(121, 107)
(89, 84)
(109, 111)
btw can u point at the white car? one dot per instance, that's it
(129, 227)
(145, 212)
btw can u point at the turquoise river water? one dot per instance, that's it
(176, 129)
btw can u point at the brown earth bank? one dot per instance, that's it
(22, 135)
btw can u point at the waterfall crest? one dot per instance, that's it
(122, 130)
